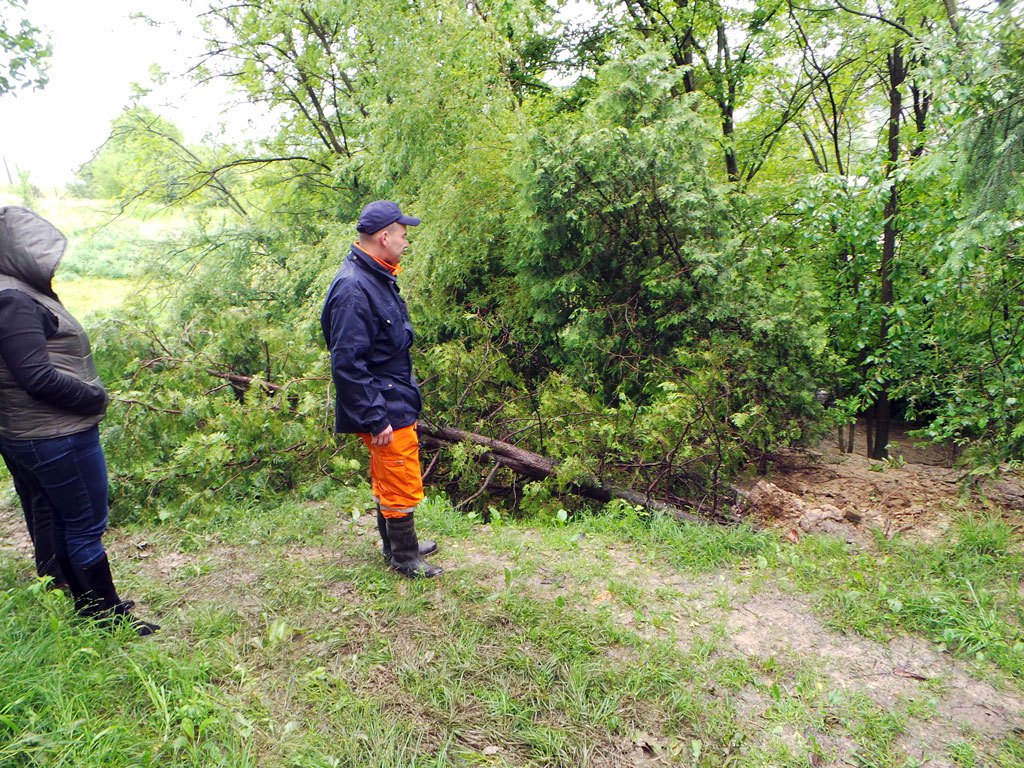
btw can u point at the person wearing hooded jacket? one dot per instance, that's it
(51, 403)
(367, 329)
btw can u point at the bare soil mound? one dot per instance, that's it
(914, 493)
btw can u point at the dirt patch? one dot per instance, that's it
(14, 535)
(914, 494)
(892, 674)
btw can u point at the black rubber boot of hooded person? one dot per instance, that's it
(427, 547)
(76, 590)
(96, 598)
(53, 570)
(405, 549)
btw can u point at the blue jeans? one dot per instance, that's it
(71, 473)
(38, 518)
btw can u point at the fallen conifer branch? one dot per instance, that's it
(537, 467)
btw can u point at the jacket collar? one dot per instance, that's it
(366, 261)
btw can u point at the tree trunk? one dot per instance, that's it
(845, 433)
(897, 75)
(727, 104)
(537, 467)
(869, 430)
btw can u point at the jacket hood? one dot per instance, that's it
(30, 247)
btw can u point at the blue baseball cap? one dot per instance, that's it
(380, 214)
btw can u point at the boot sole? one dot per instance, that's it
(420, 574)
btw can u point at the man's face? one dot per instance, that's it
(394, 241)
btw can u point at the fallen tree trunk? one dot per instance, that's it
(533, 465)
(537, 467)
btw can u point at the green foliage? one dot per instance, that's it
(588, 283)
(991, 156)
(24, 50)
(143, 157)
(621, 241)
(616, 299)
(994, 160)
(26, 190)
(181, 434)
(970, 380)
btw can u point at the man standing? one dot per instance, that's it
(367, 329)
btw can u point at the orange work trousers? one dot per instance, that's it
(395, 472)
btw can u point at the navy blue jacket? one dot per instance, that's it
(367, 329)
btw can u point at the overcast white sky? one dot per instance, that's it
(99, 50)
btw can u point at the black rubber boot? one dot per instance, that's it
(405, 549)
(427, 547)
(76, 590)
(96, 598)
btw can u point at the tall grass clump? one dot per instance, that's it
(75, 695)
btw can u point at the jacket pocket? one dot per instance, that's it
(393, 328)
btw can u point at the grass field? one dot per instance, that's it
(620, 640)
(84, 295)
(103, 242)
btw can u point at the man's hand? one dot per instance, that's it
(384, 438)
